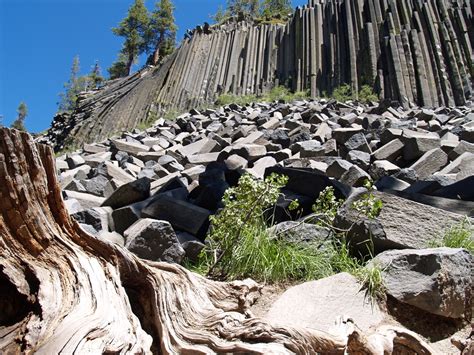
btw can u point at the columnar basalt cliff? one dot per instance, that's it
(410, 51)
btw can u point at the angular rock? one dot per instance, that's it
(431, 162)
(127, 194)
(438, 281)
(154, 240)
(355, 177)
(181, 214)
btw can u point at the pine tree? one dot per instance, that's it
(134, 29)
(95, 77)
(220, 15)
(19, 123)
(72, 88)
(276, 8)
(161, 35)
(245, 7)
(119, 68)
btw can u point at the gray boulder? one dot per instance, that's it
(402, 223)
(438, 281)
(154, 240)
(129, 193)
(298, 232)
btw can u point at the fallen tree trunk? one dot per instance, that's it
(65, 291)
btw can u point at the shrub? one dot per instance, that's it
(366, 93)
(275, 94)
(457, 236)
(344, 93)
(240, 245)
(326, 206)
(368, 205)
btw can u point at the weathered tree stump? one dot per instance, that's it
(64, 291)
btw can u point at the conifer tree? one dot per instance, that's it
(220, 15)
(245, 7)
(72, 88)
(161, 34)
(19, 122)
(95, 77)
(276, 8)
(133, 29)
(119, 68)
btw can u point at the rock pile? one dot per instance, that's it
(154, 190)
(178, 170)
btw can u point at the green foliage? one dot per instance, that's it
(119, 68)
(19, 122)
(276, 8)
(220, 16)
(457, 236)
(326, 206)
(368, 205)
(366, 93)
(72, 88)
(134, 29)
(77, 83)
(240, 244)
(344, 93)
(161, 33)
(242, 7)
(276, 94)
(227, 99)
(263, 11)
(95, 78)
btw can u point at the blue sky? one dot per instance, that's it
(39, 39)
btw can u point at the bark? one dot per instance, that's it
(64, 291)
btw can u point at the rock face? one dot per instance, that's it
(410, 52)
(322, 306)
(438, 281)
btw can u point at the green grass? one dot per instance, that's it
(265, 258)
(460, 235)
(241, 245)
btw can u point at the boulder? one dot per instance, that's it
(390, 151)
(74, 161)
(154, 240)
(127, 194)
(319, 304)
(402, 223)
(355, 176)
(438, 281)
(299, 232)
(430, 162)
(181, 214)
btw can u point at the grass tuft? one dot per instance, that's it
(457, 236)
